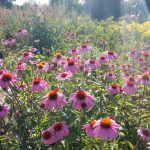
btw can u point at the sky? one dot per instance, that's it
(21, 2)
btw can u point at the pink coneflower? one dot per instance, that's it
(106, 129)
(141, 60)
(32, 49)
(81, 99)
(113, 89)
(129, 88)
(110, 75)
(7, 79)
(144, 69)
(60, 130)
(48, 137)
(54, 100)
(84, 48)
(92, 63)
(42, 67)
(21, 33)
(64, 76)
(74, 51)
(112, 66)
(145, 53)
(38, 84)
(9, 42)
(26, 56)
(4, 109)
(21, 66)
(130, 78)
(126, 67)
(102, 59)
(144, 133)
(71, 66)
(144, 79)
(133, 54)
(70, 34)
(58, 57)
(110, 54)
(89, 129)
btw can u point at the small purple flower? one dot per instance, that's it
(143, 79)
(21, 66)
(9, 42)
(54, 100)
(110, 54)
(144, 133)
(71, 66)
(60, 130)
(64, 76)
(38, 85)
(113, 89)
(4, 109)
(81, 99)
(26, 56)
(106, 129)
(129, 88)
(84, 48)
(48, 137)
(89, 129)
(92, 63)
(22, 33)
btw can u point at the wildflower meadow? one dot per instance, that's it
(68, 82)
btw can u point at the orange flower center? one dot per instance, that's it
(70, 62)
(53, 95)
(102, 57)
(7, 77)
(64, 74)
(114, 86)
(20, 63)
(130, 83)
(92, 61)
(73, 50)
(110, 52)
(57, 126)
(131, 79)
(84, 46)
(146, 132)
(40, 66)
(19, 30)
(36, 81)
(92, 122)
(145, 77)
(105, 123)
(58, 55)
(81, 94)
(110, 74)
(25, 54)
(46, 135)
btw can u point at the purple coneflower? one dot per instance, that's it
(106, 129)
(81, 99)
(144, 133)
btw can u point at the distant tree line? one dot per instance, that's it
(6, 3)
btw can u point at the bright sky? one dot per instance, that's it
(21, 2)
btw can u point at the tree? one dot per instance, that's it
(101, 9)
(6, 3)
(148, 4)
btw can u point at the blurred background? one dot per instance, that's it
(97, 9)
